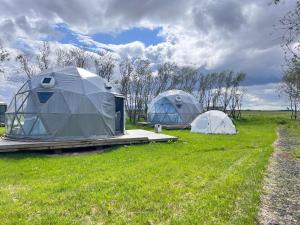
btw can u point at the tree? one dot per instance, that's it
(221, 90)
(63, 58)
(105, 65)
(166, 77)
(25, 64)
(144, 85)
(126, 71)
(137, 85)
(79, 57)
(72, 57)
(290, 24)
(186, 78)
(291, 87)
(43, 56)
(4, 56)
(236, 95)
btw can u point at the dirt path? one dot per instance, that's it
(280, 200)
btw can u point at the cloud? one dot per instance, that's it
(264, 97)
(211, 34)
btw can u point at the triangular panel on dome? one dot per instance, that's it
(92, 129)
(27, 121)
(28, 105)
(69, 83)
(19, 100)
(55, 104)
(38, 128)
(103, 102)
(72, 129)
(16, 128)
(55, 122)
(77, 103)
(90, 88)
(9, 119)
(11, 107)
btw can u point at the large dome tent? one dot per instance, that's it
(65, 103)
(173, 107)
(213, 122)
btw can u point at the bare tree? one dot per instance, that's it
(291, 87)
(105, 65)
(137, 85)
(43, 56)
(166, 77)
(126, 70)
(171, 76)
(236, 95)
(187, 78)
(74, 56)
(4, 56)
(26, 65)
(63, 58)
(144, 81)
(79, 57)
(290, 25)
(226, 96)
(221, 91)
(206, 89)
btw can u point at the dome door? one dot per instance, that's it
(119, 115)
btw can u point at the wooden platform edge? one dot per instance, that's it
(42, 146)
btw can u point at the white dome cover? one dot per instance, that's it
(173, 107)
(213, 122)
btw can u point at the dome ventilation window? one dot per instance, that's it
(48, 82)
(178, 100)
(44, 96)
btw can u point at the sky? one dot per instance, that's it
(212, 35)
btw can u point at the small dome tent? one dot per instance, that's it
(213, 122)
(173, 107)
(66, 103)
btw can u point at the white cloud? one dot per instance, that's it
(264, 97)
(210, 34)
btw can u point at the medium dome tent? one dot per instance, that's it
(213, 122)
(66, 103)
(173, 107)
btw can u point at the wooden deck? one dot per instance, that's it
(131, 137)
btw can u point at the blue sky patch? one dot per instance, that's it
(144, 35)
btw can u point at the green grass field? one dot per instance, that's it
(2, 130)
(200, 179)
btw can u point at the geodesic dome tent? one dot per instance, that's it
(213, 122)
(67, 103)
(173, 107)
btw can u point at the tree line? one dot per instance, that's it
(140, 81)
